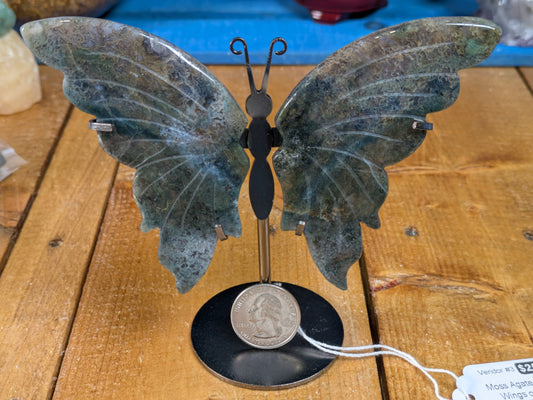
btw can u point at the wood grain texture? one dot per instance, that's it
(33, 134)
(131, 337)
(458, 289)
(41, 283)
(449, 271)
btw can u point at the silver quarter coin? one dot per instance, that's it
(265, 316)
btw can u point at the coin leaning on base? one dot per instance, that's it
(265, 316)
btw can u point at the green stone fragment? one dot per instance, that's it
(7, 18)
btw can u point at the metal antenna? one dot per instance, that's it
(246, 59)
(251, 81)
(269, 60)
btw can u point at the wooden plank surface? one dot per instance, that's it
(41, 283)
(459, 291)
(131, 337)
(33, 134)
(449, 270)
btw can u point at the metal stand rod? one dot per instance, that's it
(264, 250)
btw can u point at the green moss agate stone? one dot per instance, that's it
(7, 18)
(173, 121)
(353, 115)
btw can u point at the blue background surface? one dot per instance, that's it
(204, 28)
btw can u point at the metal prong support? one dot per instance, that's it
(220, 232)
(422, 126)
(300, 228)
(263, 229)
(100, 126)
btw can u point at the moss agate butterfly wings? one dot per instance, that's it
(361, 109)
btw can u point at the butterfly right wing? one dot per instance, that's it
(363, 108)
(173, 121)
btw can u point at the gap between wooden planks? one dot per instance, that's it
(41, 283)
(119, 363)
(460, 291)
(33, 134)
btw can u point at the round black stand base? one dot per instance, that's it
(297, 362)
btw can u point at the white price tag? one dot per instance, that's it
(505, 380)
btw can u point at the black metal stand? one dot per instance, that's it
(213, 337)
(220, 349)
(232, 360)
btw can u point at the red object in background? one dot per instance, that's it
(332, 11)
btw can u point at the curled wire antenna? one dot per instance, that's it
(278, 53)
(251, 81)
(246, 59)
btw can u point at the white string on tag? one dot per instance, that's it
(381, 350)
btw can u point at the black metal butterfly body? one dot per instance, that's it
(260, 137)
(361, 109)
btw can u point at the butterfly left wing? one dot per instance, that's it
(172, 121)
(353, 115)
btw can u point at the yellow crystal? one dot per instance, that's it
(20, 86)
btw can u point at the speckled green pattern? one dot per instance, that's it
(174, 122)
(352, 116)
(7, 18)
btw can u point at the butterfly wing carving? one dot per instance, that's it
(173, 121)
(353, 115)
(179, 127)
